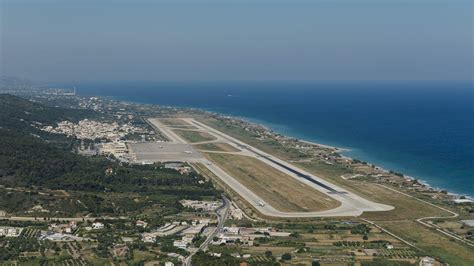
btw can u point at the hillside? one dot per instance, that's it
(31, 160)
(18, 113)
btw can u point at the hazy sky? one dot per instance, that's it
(74, 40)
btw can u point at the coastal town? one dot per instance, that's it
(229, 228)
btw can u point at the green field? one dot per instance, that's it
(194, 136)
(216, 146)
(268, 145)
(174, 122)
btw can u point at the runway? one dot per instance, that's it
(351, 204)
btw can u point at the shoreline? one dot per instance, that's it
(337, 149)
(265, 126)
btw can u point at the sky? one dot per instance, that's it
(85, 40)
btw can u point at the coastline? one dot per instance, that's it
(268, 126)
(339, 150)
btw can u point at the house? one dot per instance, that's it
(63, 228)
(247, 231)
(10, 231)
(246, 241)
(232, 230)
(169, 263)
(149, 238)
(462, 200)
(97, 225)
(180, 244)
(142, 224)
(427, 261)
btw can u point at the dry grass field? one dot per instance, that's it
(174, 122)
(401, 220)
(431, 242)
(405, 207)
(278, 189)
(216, 146)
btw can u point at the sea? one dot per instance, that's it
(424, 129)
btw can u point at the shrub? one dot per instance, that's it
(286, 256)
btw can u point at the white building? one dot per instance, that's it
(118, 149)
(140, 223)
(97, 225)
(232, 230)
(427, 261)
(10, 231)
(149, 238)
(180, 244)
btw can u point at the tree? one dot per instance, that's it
(295, 235)
(286, 256)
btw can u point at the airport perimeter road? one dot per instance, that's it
(351, 204)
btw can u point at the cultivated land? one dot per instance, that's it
(275, 187)
(402, 221)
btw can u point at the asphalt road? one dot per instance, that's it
(221, 213)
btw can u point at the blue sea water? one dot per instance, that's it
(422, 129)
